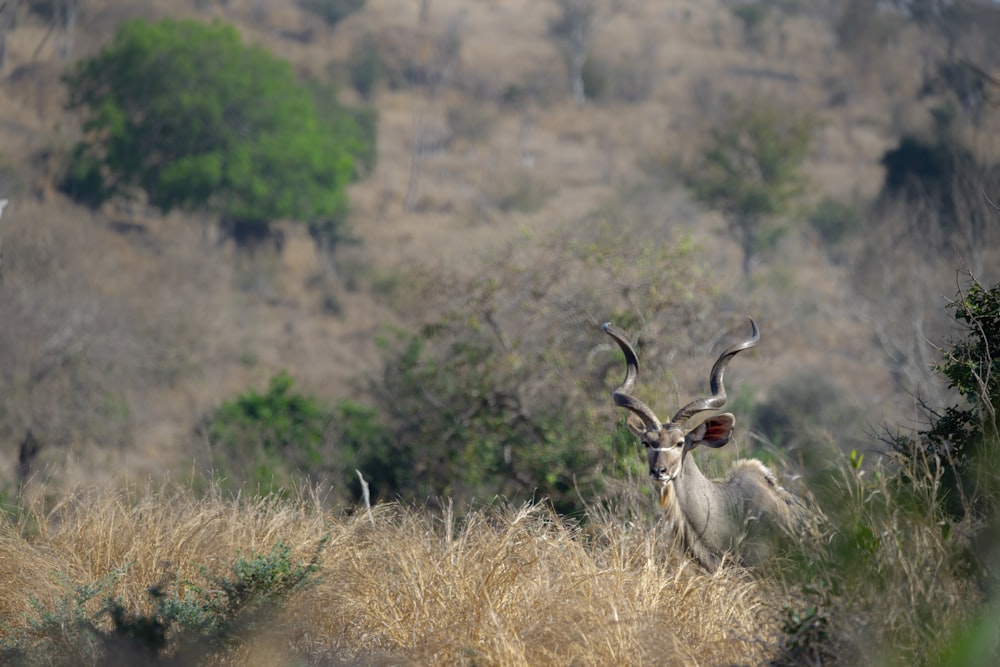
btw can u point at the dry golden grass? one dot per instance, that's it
(502, 586)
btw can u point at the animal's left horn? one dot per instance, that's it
(718, 397)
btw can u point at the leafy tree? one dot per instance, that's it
(749, 169)
(195, 119)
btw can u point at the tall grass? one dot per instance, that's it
(890, 577)
(886, 581)
(501, 586)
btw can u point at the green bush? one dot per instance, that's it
(264, 438)
(902, 568)
(462, 431)
(188, 623)
(506, 389)
(269, 440)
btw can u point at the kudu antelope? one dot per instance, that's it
(708, 518)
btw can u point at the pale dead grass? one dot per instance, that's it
(503, 586)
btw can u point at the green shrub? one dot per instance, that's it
(507, 388)
(264, 437)
(462, 431)
(903, 568)
(187, 623)
(266, 442)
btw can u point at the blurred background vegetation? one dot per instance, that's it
(278, 244)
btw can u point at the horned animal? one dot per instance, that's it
(738, 516)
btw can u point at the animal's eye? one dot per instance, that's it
(648, 444)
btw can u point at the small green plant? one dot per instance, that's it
(228, 606)
(67, 633)
(262, 438)
(190, 623)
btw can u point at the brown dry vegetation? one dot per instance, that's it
(505, 586)
(121, 328)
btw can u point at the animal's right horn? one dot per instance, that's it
(623, 394)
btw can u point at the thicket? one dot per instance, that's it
(911, 540)
(889, 576)
(189, 117)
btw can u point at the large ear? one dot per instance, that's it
(635, 424)
(714, 432)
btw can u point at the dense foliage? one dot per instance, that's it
(962, 440)
(195, 119)
(270, 440)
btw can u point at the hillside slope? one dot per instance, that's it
(121, 328)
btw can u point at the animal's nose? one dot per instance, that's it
(658, 471)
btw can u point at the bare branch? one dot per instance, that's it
(366, 497)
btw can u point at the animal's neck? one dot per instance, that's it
(696, 496)
(700, 515)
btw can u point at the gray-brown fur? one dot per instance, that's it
(740, 515)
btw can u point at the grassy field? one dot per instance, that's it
(503, 586)
(285, 581)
